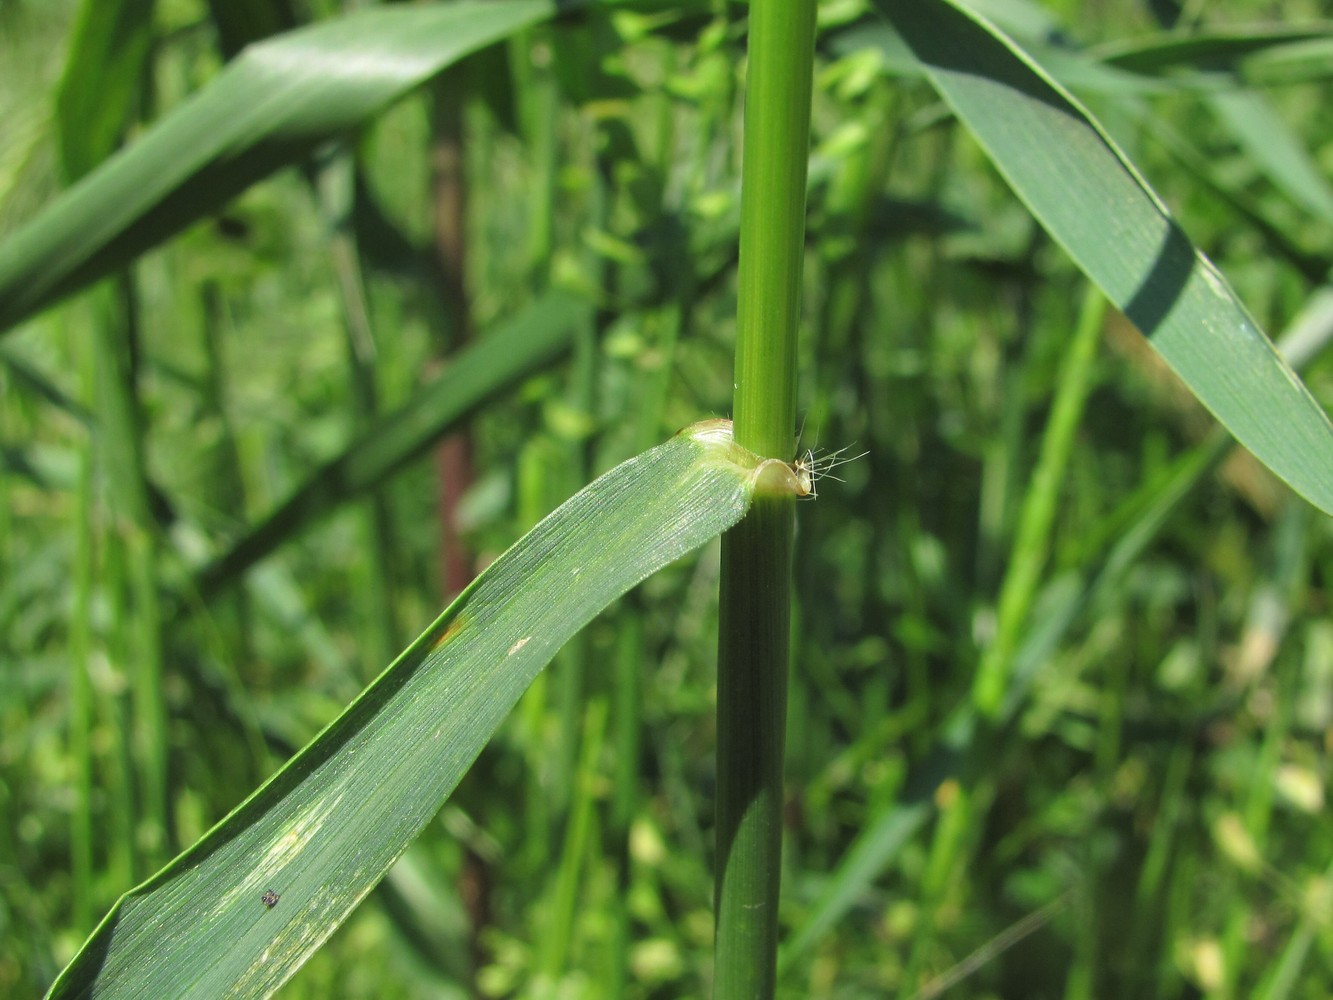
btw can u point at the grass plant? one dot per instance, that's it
(1061, 673)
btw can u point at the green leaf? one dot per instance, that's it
(324, 830)
(1092, 201)
(269, 108)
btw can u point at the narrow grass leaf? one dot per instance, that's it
(1084, 192)
(269, 108)
(238, 913)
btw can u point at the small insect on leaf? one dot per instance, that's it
(269, 898)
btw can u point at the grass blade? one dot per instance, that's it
(269, 108)
(323, 831)
(1092, 201)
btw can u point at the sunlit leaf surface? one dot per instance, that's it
(1090, 199)
(240, 911)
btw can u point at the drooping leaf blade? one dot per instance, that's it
(323, 831)
(270, 107)
(1092, 201)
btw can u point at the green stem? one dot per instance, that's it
(756, 555)
(1037, 520)
(751, 709)
(772, 239)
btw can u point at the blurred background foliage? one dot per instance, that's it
(1149, 816)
